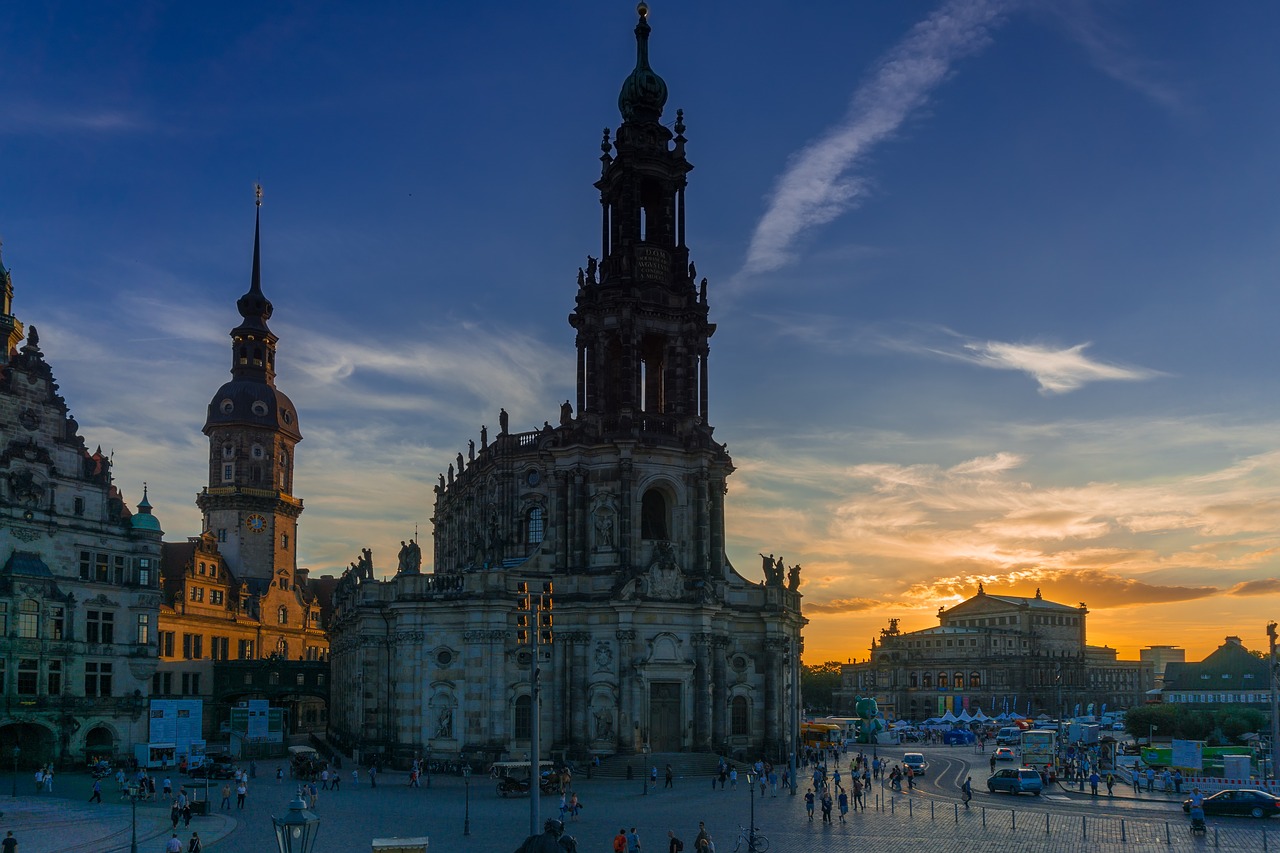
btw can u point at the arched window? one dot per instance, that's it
(522, 725)
(942, 681)
(282, 615)
(975, 681)
(29, 619)
(927, 681)
(653, 515)
(915, 679)
(739, 718)
(957, 680)
(536, 525)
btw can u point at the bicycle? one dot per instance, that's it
(751, 842)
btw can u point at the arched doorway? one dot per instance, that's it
(36, 744)
(99, 743)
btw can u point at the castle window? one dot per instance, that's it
(942, 681)
(97, 679)
(57, 621)
(228, 473)
(257, 451)
(29, 619)
(282, 615)
(536, 525)
(522, 725)
(222, 534)
(975, 681)
(740, 721)
(53, 679)
(28, 676)
(215, 596)
(284, 541)
(77, 506)
(144, 628)
(228, 451)
(653, 515)
(927, 681)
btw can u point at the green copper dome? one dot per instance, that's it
(143, 519)
(644, 93)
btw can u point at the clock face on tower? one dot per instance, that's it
(255, 523)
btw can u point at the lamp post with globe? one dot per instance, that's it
(134, 794)
(296, 832)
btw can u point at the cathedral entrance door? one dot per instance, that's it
(666, 725)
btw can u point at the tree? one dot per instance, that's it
(818, 684)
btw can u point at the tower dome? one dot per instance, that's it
(644, 93)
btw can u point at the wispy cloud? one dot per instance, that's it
(1111, 54)
(1057, 370)
(39, 119)
(817, 186)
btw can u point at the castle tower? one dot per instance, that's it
(253, 429)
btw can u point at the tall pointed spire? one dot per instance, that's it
(253, 306)
(644, 93)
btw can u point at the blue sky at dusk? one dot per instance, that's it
(996, 282)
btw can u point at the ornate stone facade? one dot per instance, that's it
(998, 653)
(658, 641)
(79, 574)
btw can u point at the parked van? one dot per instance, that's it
(1009, 736)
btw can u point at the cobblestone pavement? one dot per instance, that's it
(895, 822)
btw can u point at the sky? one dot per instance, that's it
(995, 281)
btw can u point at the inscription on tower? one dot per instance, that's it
(652, 263)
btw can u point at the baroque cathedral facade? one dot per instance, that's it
(657, 642)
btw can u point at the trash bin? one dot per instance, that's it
(200, 808)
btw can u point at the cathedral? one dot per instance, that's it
(614, 516)
(79, 574)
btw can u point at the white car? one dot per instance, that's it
(915, 761)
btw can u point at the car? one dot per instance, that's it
(1246, 802)
(915, 762)
(1004, 753)
(213, 770)
(1016, 780)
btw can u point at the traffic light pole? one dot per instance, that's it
(535, 746)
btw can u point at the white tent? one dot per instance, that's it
(965, 716)
(981, 717)
(948, 717)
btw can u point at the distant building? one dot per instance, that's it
(659, 643)
(235, 592)
(997, 653)
(79, 574)
(1231, 675)
(1160, 657)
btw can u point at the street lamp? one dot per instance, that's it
(751, 832)
(296, 832)
(466, 781)
(16, 753)
(133, 804)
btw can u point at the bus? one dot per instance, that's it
(1039, 747)
(821, 735)
(848, 726)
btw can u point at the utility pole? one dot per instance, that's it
(1275, 702)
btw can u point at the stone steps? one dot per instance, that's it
(683, 764)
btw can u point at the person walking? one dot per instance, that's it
(48, 779)
(808, 803)
(1111, 783)
(39, 779)
(620, 841)
(733, 779)
(1137, 780)
(966, 791)
(335, 781)
(194, 845)
(857, 794)
(279, 775)
(826, 806)
(843, 803)
(633, 841)
(241, 790)
(97, 792)
(168, 788)
(373, 776)
(173, 845)
(674, 845)
(175, 815)
(226, 796)
(1094, 779)
(10, 844)
(355, 778)
(702, 843)
(670, 777)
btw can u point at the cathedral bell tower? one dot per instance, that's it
(642, 328)
(253, 430)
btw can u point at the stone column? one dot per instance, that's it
(628, 708)
(719, 694)
(702, 692)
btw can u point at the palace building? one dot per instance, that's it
(79, 574)
(617, 510)
(235, 593)
(996, 653)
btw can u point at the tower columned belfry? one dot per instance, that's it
(642, 325)
(253, 430)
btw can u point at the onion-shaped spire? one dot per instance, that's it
(644, 93)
